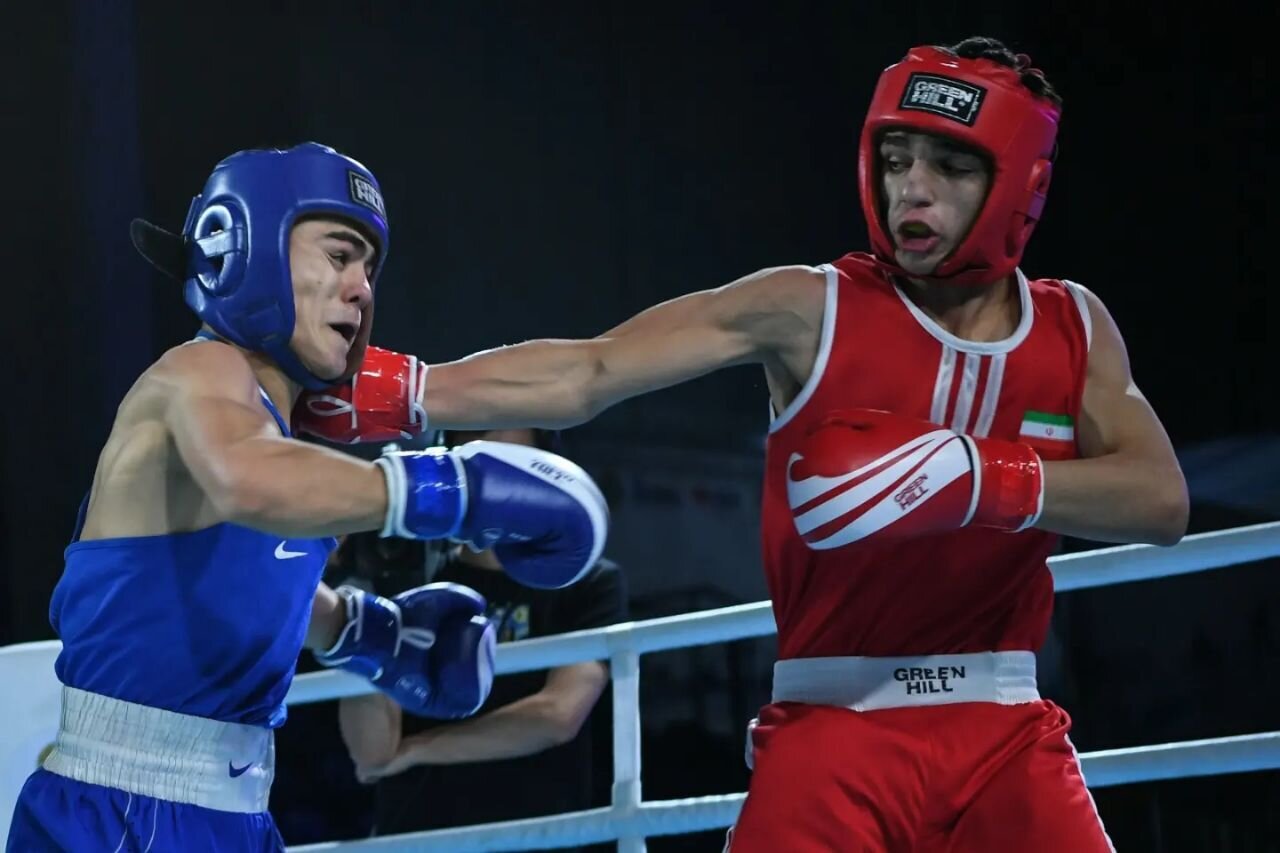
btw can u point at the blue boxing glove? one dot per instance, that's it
(542, 515)
(431, 648)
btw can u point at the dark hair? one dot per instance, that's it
(984, 47)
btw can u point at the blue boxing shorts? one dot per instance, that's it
(128, 778)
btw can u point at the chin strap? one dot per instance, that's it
(971, 276)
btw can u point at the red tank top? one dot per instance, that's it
(968, 590)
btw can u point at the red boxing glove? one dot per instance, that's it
(382, 402)
(866, 474)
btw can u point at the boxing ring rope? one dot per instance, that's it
(630, 819)
(29, 715)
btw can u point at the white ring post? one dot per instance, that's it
(625, 671)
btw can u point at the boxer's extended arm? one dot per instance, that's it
(772, 314)
(250, 473)
(1129, 488)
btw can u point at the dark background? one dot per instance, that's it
(550, 168)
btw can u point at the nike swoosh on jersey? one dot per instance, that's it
(237, 771)
(284, 554)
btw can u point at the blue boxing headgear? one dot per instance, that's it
(236, 241)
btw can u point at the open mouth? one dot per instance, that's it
(915, 230)
(347, 330)
(917, 237)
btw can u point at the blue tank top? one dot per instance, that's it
(208, 623)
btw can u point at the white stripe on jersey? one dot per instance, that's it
(942, 386)
(968, 390)
(987, 414)
(958, 415)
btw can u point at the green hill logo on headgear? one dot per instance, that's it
(943, 96)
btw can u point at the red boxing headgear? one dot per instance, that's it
(982, 104)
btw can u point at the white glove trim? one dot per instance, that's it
(975, 459)
(397, 487)
(417, 387)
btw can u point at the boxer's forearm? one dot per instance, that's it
(293, 489)
(544, 383)
(1115, 498)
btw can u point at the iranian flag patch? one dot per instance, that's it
(1044, 431)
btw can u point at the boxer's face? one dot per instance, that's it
(933, 190)
(330, 262)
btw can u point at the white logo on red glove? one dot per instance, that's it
(912, 492)
(831, 511)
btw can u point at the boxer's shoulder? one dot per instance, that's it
(796, 295)
(141, 471)
(201, 369)
(797, 281)
(206, 368)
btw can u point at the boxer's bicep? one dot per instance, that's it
(212, 410)
(746, 321)
(1127, 486)
(232, 450)
(1115, 416)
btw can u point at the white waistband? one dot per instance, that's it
(163, 754)
(870, 683)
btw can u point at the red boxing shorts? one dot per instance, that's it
(928, 767)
